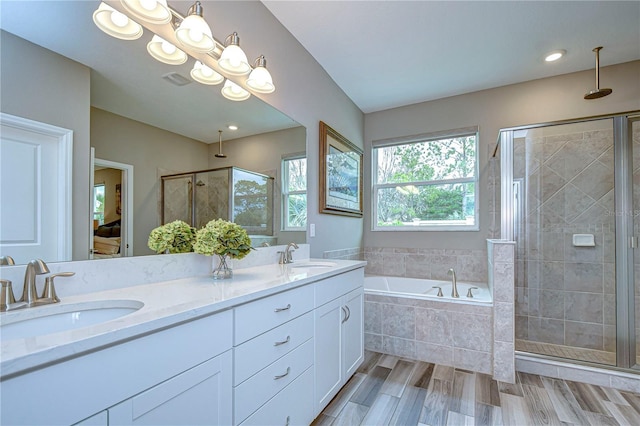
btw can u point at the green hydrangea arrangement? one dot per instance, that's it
(174, 237)
(222, 237)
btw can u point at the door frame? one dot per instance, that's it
(126, 223)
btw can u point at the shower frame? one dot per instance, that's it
(625, 241)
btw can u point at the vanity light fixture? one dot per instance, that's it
(555, 55)
(154, 11)
(260, 79)
(194, 31)
(205, 75)
(165, 52)
(116, 24)
(233, 60)
(233, 92)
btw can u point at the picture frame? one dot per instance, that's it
(340, 174)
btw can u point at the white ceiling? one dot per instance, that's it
(385, 54)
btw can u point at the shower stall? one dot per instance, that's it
(228, 193)
(570, 199)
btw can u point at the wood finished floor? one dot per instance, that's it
(389, 390)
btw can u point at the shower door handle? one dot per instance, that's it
(633, 242)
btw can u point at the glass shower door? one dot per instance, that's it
(564, 226)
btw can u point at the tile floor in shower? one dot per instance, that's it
(569, 352)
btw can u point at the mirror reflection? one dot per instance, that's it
(130, 127)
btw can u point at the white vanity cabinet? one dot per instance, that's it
(184, 359)
(339, 333)
(273, 359)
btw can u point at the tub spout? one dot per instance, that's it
(454, 283)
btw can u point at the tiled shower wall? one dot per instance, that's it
(565, 295)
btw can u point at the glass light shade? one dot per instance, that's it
(260, 80)
(195, 33)
(234, 92)
(165, 52)
(205, 75)
(154, 11)
(234, 61)
(116, 24)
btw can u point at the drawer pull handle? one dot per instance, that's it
(344, 312)
(286, 308)
(348, 313)
(283, 341)
(282, 375)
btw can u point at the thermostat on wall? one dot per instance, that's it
(584, 240)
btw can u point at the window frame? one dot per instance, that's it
(284, 223)
(425, 137)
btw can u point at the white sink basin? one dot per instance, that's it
(313, 265)
(41, 320)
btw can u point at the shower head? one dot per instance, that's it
(220, 154)
(598, 92)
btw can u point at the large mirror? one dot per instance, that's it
(132, 123)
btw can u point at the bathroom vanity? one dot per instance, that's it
(271, 346)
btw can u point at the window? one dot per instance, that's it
(294, 193)
(426, 183)
(98, 203)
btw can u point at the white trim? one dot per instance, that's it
(65, 175)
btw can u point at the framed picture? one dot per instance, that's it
(340, 174)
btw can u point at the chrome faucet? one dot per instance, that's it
(454, 283)
(7, 260)
(29, 293)
(285, 256)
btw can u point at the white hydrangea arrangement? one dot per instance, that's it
(174, 237)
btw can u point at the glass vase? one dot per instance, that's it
(223, 269)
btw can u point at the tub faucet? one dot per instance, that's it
(35, 267)
(454, 283)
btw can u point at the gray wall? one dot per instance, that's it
(537, 101)
(40, 85)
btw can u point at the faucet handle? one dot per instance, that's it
(282, 258)
(439, 290)
(49, 291)
(469, 293)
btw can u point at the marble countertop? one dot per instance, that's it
(166, 303)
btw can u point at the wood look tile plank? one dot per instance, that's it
(510, 389)
(323, 420)
(370, 360)
(587, 397)
(529, 379)
(614, 396)
(381, 410)
(540, 407)
(514, 410)
(398, 378)
(342, 398)
(388, 361)
(443, 372)
(463, 395)
(624, 414)
(633, 400)
(409, 407)
(436, 404)
(487, 390)
(487, 415)
(421, 375)
(596, 419)
(370, 386)
(564, 402)
(351, 414)
(457, 419)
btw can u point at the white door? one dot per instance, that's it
(35, 190)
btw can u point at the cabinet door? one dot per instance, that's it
(352, 333)
(100, 419)
(328, 366)
(200, 396)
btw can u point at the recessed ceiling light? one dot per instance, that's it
(555, 55)
(232, 127)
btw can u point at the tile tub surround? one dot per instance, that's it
(501, 280)
(470, 265)
(447, 333)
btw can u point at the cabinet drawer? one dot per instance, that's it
(255, 318)
(292, 406)
(270, 346)
(334, 287)
(261, 387)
